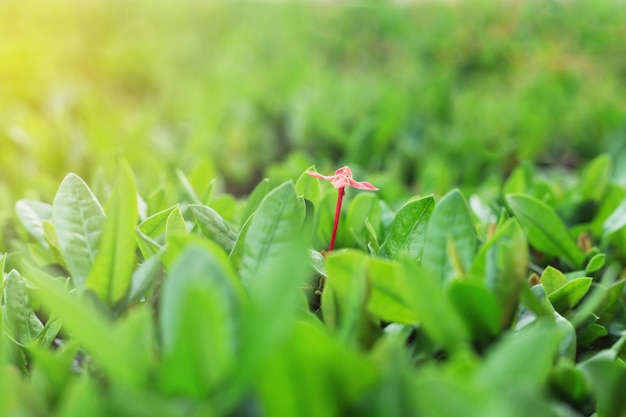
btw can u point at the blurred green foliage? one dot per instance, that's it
(434, 94)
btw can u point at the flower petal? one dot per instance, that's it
(345, 171)
(363, 185)
(340, 181)
(324, 177)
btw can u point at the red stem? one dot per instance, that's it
(342, 192)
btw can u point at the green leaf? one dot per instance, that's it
(78, 220)
(92, 330)
(595, 263)
(276, 303)
(143, 277)
(522, 359)
(607, 379)
(111, 273)
(450, 238)
(310, 351)
(478, 307)
(570, 383)
(615, 222)
(595, 178)
(501, 264)
(570, 294)
(187, 187)
(199, 312)
(276, 223)
(20, 317)
(591, 334)
(254, 199)
(390, 294)
(363, 207)
(213, 226)
(154, 225)
(175, 223)
(545, 230)
(55, 365)
(408, 232)
(552, 279)
(345, 295)
(32, 214)
(50, 236)
(309, 187)
(437, 315)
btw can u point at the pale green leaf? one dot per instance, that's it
(213, 226)
(78, 220)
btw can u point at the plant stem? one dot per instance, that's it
(342, 192)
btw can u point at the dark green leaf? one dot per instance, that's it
(214, 226)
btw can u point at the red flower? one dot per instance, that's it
(341, 179)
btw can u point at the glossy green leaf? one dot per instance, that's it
(545, 230)
(78, 220)
(276, 223)
(570, 294)
(20, 318)
(198, 321)
(31, 214)
(111, 273)
(213, 226)
(254, 199)
(552, 279)
(408, 232)
(450, 238)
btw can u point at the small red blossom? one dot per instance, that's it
(341, 180)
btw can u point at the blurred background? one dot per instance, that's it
(417, 96)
